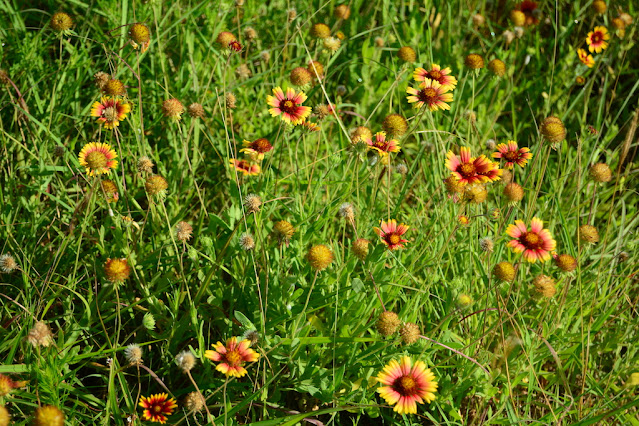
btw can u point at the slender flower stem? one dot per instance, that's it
(458, 353)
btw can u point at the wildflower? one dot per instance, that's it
(40, 335)
(497, 67)
(117, 270)
(245, 167)
(194, 401)
(553, 129)
(283, 231)
(360, 248)
(61, 22)
(322, 111)
(347, 211)
(235, 46)
(599, 6)
(381, 145)
(110, 190)
(140, 36)
(255, 150)
(530, 11)
(588, 233)
(395, 125)
(145, 165)
(513, 154)
(453, 185)
(580, 80)
(387, 323)
(431, 94)
(288, 105)
(300, 76)
(474, 61)
(186, 361)
(316, 69)
(468, 169)
(320, 257)
(157, 407)
(391, 233)
(600, 172)
(183, 231)
(232, 356)
(225, 38)
(196, 110)
(514, 192)
(463, 220)
(49, 415)
(252, 203)
(98, 158)
(173, 109)
(7, 263)
(310, 126)
(409, 333)
(247, 242)
(486, 244)
(342, 11)
(596, 39)
(565, 262)
(156, 185)
(230, 100)
(536, 244)
(7, 384)
(518, 18)
(442, 76)
(320, 30)
(110, 111)
(360, 134)
(586, 58)
(407, 54)
(407, 385)
(545, 286)
(332, 44)
(133, 354)
(504, 271)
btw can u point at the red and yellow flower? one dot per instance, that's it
(110, 111)
(246, 167)
(232, 356)
(157, 407)
(513, 154)
(530, 10)
(288, 105)
(98, 158)
(406, 385)
(597, 39)
(586, 58)
(381, 145)
(390, 233)
(536, 244)
(468, 169)
(255, 150)
(430, 93)
(442, 76)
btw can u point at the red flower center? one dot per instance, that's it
(394, 239)
(233, 358)
(288, 106)
(405, 385)
(261, 145)
(435, 75)
(428, 95)
(467, 170)
(512, 155)
(596, 38)
(531, 241)
(96, 160)
(157, 408)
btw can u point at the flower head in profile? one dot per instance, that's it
(98, 158)
(110, 111)
(255, 150)
(531, 12)
(513, 154)
(586, 58)
(288, 105)
(391, 233)
(232, 356)
(442, 76)
(381, 145)
(536, 243)
(245, 167)
(430, 93)
(406, 385)
(597, 39)
(157, 407)
(468, 169)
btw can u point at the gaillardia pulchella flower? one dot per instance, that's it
(513, 154)
(98, 158)
(390, 233)
(245, 167)
(157, 407)
(110, 111)
(586, 58)
(255, 150)
(288, 105)
(232, 356)
(535, 244)
(442, 76)
(468, 169)
(406, 385)
(430, 93)
(597, 39)
(381, 145)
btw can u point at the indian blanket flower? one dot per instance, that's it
(98, 158)
(596, 39)
(430, 93)
(406, 385)
(110, 111)
(513, 154)
(530, 10)
(536, 243)
(232, 356)
(442, 76)
(381, 145)
(157, 407)
(586, 58)
(468, 169)
(245, 167)
(391, 233)
(288, 105)
(255, 150)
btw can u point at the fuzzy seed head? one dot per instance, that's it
(478, 20)
(589, 234)
(231, 100)
(110, 190)
(506, 177)
(283, 231)
(476, 193)
(5, 417)
(250, 33)
(491, 145)
(7, 263)
(395, 125)
(173, 109)
(252, 336)
(360, 248)
(360, 134)
(514, 192)
(623, 256)
(464, 300)
(300, 76)
(379, 42)
(183, 231)
(407, 54)
(101, 79)
(347, 211)
(194, 401)
(453, 185)
(599, 6)
(145, 165)
(401, 168)
(486, 244)
(225, 38)
(186, 361)
(320, 257)
(320, 30)
(387, 323)
(553, 129)
(342, 11)
(117, 270)
(252, 203)
(40, 335)
(265, 56)
(504, 271)
(114, 87)
(139, 33)
(247, 242)
(626, 18)
(133, 354)
(155, 184)
(566, 262)
(316, 69)
(61, 21)
(49, 415)
(409, 333)
(509, 36)
(196, 110)
(332, 44)
(545, 286)
(619, 24)
(600, 172)
(518, 18)
(291, 14)
(474, 61)
(497, 67)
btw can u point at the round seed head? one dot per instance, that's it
(320, 30)
(504, 271)
(342, 11)
(194, 401)
(474, 61)
(230, 100)
(114, 87)
(518, 18)
(133, 354)
(545, 286)
(117, 270)
(407, 54)
(409, 333)
(225, 38)
(186, 361)
(139, 33)
(395, 125)
(7, 263)
(565, 262)
(589, 234)
(553, 129)
(600, 172)
(48, 415)
(247, 242)
(514, 192)
(360, 248)
(319, 256)
(497, 67)
(387, 323)
(61, 21)
(155, 184)
(300, 76)
(173, 109)
(183, 231)
(599, 6)
(196, 110)
(145, 165)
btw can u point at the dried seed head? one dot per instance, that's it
(600, 172)
(486, 244)
(250, 33)
(342, 11)
(139, 33)
(565, 262)
(387, 323)
(186, 361)
(194, 401)
(379, 42)
(478, 20)
(243, 71)
(252, 336)
(320, 257)
(497, 67)
(589, 234)
(183, 231)
(300, 76)
(173, 109)
(40, 335)
(117, 270)
(409, 333)
(514, 192)
(623, 256)
(360, 134)
(553, 129)
(347, 211)
(504, 271)
(247, 242)
(230, 100)
(196, 110)
(619, 24)
(114, 87)
(320, 30)
(626, 18)
(316, 69)
(145, 165)
(474, 61)
(599, 6)
(7, 263)
(518, 18)
(407, 54)
(225, 38)
(509, 36)
(519, 32)
(360, 248)
(156, 184)
(283, 231)
(101, 79)
(395, 125)
(475, 193)
(48, 415)
(265, 56)
(58, 151)
(491, 145)
(252, 203)
(332, 44)
(545, 286)
(61, 21)
(401, 168)
(133, 354)
(110, 190)
(506, 177)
